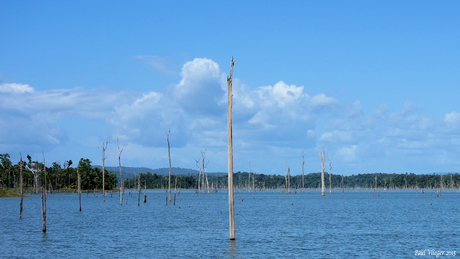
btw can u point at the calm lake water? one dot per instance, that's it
(273, 225)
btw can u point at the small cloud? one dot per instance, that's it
(15, 88)
(452, 118)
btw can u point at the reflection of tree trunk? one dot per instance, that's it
(230, 155)
(323, 188)
(21, 186)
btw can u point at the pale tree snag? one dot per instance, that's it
(323, 188)
(343, 190)
(231, 212)
(79, 188)
(286, 177)
(442, 187)
(145, 190)
(103, 149)
(121, 173)
(330, 176)
(253, 186)
(205, 173)
(21, 186)
(289, 179)
(44, 197)
(375, 188)
(169, 157)
(249, 177)
(139, 189)
(303, 177)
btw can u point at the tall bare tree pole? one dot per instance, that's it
(286, 177)
(104, 147)
(44, 197)
(169, 157)
(139, 189)
(375, 188)
(303, 178)
(21, 185)
(231, 212)
(79, 188)
(121, 173)
(205, 173)
(330, 176)
(323, 188)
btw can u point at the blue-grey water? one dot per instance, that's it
(359, 224)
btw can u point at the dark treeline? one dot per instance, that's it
(65, 177)
(155, 181)
(57, 176)
(243, 180)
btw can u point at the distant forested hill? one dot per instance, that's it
(130, 172)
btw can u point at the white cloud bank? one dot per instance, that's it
(271, 123)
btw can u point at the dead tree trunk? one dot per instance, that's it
(323, 188)
(253, 186)
(139, 189)
(104, 147)
(286, 177)
(303, 177)
(442, 187)
(121, 173)
(169, 157)
(289, 179)
(145, 190)
(205, 173)
(44, 197)
(79, 188)
(375, 188)
(343, 190)
(21, 186)
(231, 213)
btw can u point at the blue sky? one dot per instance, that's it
(374, 83)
